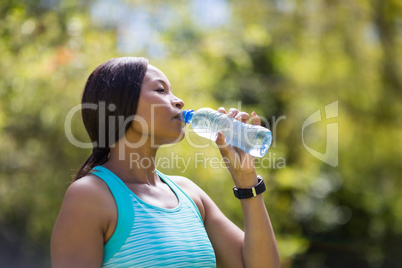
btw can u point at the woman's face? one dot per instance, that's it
(158, 115)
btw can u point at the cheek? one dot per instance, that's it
(149, 110)
(140, 125)
(143, 113)
(149, 122)
(143, 119)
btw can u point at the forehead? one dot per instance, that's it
(154, 74)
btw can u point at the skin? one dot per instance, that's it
(88, 215)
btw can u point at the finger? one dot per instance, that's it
(243, 117)
(222, 110)
(256, 119)
(220, 139)
(222, 145)
(233, 112)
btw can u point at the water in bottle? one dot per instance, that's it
(252, 139)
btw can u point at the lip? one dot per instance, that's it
(178, 116)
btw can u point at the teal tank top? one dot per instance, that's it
(150, 236)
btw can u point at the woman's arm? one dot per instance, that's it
(259, 248)
(234, 248)
(84, 219)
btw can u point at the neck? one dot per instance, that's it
(133, 164)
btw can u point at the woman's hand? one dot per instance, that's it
(258, 245)
(239, 163)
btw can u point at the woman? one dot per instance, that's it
(116, 214)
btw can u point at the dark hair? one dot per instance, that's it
(111, 91)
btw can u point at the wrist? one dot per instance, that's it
(245, 180)
(250, 192)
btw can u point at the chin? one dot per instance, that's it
(178, 138)
(173, 139)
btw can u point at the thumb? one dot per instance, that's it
(222, 145)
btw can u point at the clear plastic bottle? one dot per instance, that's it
(206, 122)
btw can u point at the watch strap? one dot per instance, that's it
(250, 192)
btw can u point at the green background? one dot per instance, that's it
(284, 59)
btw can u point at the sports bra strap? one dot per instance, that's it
(124, 209)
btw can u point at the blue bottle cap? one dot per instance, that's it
(188, 115)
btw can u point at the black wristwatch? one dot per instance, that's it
(250, 192)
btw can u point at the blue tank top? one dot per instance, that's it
(151, 236)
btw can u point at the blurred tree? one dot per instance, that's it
(284, 59)
(46, 47)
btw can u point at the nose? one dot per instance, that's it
(178, 103)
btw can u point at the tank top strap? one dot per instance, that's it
(122, 197)
(180, 194)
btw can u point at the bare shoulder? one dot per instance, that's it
(86, 220)
(89, 200)
(88, 188)
(90, 195)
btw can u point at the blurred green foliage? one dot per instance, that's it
(285, 59)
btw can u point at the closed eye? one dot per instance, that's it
(161, 90)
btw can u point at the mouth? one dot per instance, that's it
(178, 116)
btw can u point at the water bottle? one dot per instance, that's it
(206, 122)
